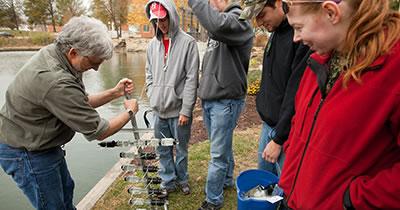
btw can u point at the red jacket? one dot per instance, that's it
(348, 141)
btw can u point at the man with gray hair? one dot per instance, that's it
(47, 103)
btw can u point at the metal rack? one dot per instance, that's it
(140, 171)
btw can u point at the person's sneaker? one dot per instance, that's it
(185, 189)
(228, 187)
(169, 190)
(209, 206)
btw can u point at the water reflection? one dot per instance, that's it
(87, 162)
(130, 65)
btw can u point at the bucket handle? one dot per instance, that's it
(278, 169)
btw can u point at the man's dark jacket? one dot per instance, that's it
(283, 66)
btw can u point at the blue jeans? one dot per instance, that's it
(268, 133)
(43, 176)
(220, 119)
(173, 171)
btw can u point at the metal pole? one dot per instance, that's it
(134, 127)
(133, 120)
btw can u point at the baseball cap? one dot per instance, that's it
(157, 11)
(252, 8)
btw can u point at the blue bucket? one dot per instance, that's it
(250, 179)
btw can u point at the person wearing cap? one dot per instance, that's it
(172, 67)
(47, 103)
(223, 87)
(283, 66)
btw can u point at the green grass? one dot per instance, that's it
(245, 152)
(27, 39)
(25, 33)
(41, 39)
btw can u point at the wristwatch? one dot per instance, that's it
(130, 112)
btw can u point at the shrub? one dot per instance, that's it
(7, 42)
(253, 79)
(27, 39)
(253, 76)
(41, 39)
(3, 41)
(254, 87)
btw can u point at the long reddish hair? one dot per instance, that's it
(373, 31)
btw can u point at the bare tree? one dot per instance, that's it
(10, 13)
(113, 12)
(50, 8)
(122, 14)
(69, 8)
(99, 12)
(36, 11)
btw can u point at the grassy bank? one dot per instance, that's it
(245, 151)
(26, 39)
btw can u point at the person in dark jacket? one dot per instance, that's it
(283, 66)
(223, 87)
(344, 145)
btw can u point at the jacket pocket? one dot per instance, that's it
(155, 98)
(164, 99)
(172, 100)
(209, 85)
(301, 120)
(13, 166)
(223, 83)
(232, 87)
(178, 89)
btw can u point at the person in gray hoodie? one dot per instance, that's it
(223, 87)
(171, 78)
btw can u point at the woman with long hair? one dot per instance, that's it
(344, 146)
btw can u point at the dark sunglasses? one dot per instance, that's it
(288, 3)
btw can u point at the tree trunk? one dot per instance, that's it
(45, 25)
(15, 17)
(113, 18)
(120, 30)
(51, 10)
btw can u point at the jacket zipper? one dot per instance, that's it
(308, 107)
(306, 146)
(163, 76)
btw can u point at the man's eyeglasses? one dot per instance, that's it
(94, 64)
(288, 3)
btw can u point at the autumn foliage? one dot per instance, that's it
(137, 16)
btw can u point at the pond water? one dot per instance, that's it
(87, 162)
